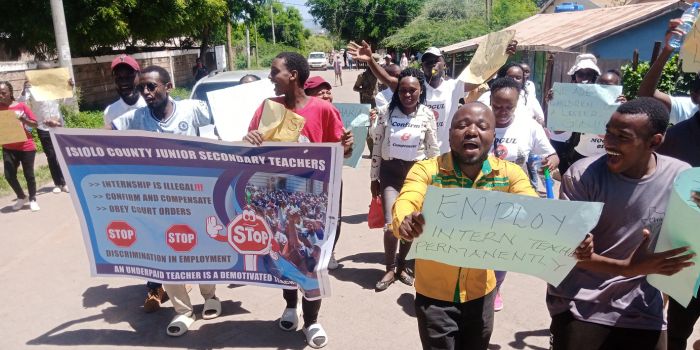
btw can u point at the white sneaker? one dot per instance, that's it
(56, 190)
(333, 264)
(64, 188)
(19, 204)
(34, 206)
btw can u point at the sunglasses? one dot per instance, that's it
(150, 86)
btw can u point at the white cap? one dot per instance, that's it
(433, 51)
(584, 61)
(387, 56)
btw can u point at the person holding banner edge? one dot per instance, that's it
(405, 133)
(454, 306)
(605, 302)
(319, 87)
(289, 72)
(165, 115)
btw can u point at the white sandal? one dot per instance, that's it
(212, 308)
(291, 317)
(316, 337)
(180, 324)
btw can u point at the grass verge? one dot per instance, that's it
(41, 174)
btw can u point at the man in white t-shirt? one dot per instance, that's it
(125, 71)
(442, 95)
(165, 115)
(680, 107)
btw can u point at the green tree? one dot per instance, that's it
(289, 25)
(318, 43)
(673, 81)
(445, 22)
(95, 26)
(507, 12)
(91, 24)
(370, 20)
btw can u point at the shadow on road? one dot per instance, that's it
(406, 301)
(365, 277)
(354, 219)
(366, 258)
(149, 329)
(519, 342)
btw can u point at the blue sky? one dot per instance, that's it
(301, 6)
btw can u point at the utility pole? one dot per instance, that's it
(488, 12)
(59, 28)
(272, 18)
(247, 42)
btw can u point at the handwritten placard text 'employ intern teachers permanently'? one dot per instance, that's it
(502, 231)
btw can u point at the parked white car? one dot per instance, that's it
(318, 60)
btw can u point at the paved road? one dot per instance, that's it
(52, 302)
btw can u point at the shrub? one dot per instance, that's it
(673, 81)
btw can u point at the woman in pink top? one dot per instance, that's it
(23, 152)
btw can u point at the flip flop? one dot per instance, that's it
(179, 325)
(289, 320)
(316, 337)
(212, 308)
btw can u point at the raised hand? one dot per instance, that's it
(362, 53)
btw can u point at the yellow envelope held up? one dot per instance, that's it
(488, 58)
(690, 52)
(280, 124)
(11, 129)
(50, 84)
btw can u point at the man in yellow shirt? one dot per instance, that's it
(454, 306)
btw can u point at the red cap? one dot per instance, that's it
(126, 59)
(315, 82)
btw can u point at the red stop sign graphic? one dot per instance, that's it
(249, 234)
(181, 238)
(121, 234)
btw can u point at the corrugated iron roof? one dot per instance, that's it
(566, 30)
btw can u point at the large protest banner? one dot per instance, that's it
(50, 84)
(680, 229)
(488, 58)
(177, 209)
(355, 117)
(582, 107)
(233, 108)
(502, 231)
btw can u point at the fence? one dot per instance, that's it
(93, 75)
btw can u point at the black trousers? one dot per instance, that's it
(680, 322)
(11, 161)
(447, 325)
(54, 168)
(568, 333)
